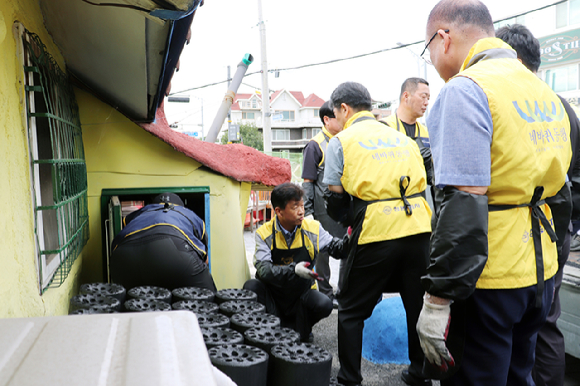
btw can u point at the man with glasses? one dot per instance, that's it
(497, 157)
(315, 190)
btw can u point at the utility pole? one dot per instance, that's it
(230, 110)
(266, 115)
(202, 130)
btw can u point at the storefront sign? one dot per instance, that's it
(560, 48)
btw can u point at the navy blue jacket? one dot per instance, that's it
(185, 221)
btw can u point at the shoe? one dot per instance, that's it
(413, 380)
(575, 243)
(334, 304)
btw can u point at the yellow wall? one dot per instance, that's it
(120, 155)
(19, 293)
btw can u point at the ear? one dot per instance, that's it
(277, 210)
(446, 40)
(346, 108)
(406, 94)
(326, 120)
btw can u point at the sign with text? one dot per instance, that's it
(233, 132)
(560, 48)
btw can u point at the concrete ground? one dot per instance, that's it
(325, 336)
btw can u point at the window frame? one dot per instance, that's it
(61, 201)
(290, 113)
(275, 133)
(245, 115)
(549, 71)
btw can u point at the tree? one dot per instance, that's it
(249, 135)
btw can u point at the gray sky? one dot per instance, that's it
(309, 31)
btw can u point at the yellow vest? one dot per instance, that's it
(322, 139)
(375, 159)
(310, 228)
(394, 122)
(530, 148)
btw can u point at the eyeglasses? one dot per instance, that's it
(428, 60)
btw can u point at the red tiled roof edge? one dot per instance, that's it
(237, 161)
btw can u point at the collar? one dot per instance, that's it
(357, 116)
(488, 48)
(284, 231)
(327, 133)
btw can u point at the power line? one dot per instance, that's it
(361, 55)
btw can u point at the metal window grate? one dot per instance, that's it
(58, 163)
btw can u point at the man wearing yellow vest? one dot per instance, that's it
(286, 249)
(500, 145)
(413, 102)
(315, 190)
(381, 171)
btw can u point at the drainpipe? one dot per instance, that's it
(228, 98)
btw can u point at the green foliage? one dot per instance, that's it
(250, 136)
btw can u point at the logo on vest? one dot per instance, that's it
(538, 115)
(387, 210)
(525, 237)
(370, 145)
(287, 260)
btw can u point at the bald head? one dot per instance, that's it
(470, 16)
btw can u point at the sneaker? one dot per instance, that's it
(575, 243)
(335, 303)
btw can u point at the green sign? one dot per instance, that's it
(560, 48)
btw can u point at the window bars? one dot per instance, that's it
(58, 168)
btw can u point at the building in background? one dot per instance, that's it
(295, 118)
(558, 30)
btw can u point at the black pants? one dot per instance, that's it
(165, 260)
(311, 307)
(550, 365)
(386, 266)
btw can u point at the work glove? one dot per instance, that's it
(302, 270)
(432, 328)
(309, 217)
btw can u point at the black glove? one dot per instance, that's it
(338, 207)
(458, 245)
(308, 198)
(338, 248)
(561, 208)
(428, 163)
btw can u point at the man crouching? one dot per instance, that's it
(286, 247)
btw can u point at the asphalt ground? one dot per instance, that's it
(325, 336)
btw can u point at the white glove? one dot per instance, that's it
(432, 327)
(302, 270)
(309, 217)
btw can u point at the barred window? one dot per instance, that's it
(57, 164)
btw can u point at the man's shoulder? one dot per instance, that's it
(390, 121)
(310, 225)
(265, 230)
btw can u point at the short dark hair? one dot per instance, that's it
(284, 193)
(353, 94)
(525, 44)
(410, 85)
(461, 12)
(326, 111)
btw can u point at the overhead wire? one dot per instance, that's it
(398, 47)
